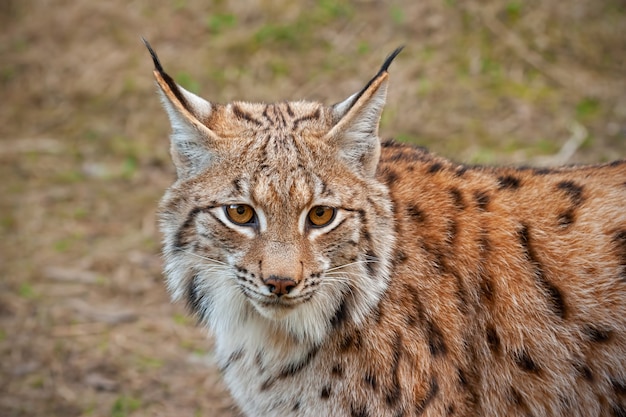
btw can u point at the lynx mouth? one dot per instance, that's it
(273, 307)
(283, 302)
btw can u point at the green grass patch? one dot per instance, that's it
(547, 146)
(62, 245)
(301, 32)
(146, 363)
(587, 108)
(182, 319)
(514, 10)
(26, 290)
(397, 15)
(124, 405)
(217, 23)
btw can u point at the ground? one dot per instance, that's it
(86, 327)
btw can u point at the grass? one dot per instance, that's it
(459, 88)
(124, 406)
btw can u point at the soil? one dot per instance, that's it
(86, 326)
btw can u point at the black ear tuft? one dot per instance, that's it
(390, 59)
(353, 99)
(155, 58)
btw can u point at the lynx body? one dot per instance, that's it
(342, 276)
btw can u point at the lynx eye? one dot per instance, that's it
(240, 214)
(321, 216)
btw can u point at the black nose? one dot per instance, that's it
(279, 285)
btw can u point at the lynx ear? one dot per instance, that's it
(192, 142)
(356, 122)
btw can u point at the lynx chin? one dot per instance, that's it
(342, 275)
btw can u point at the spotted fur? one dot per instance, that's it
(437, 289)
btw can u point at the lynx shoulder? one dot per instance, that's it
(345, 276)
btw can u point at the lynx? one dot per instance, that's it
(342, 275)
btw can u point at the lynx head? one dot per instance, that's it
(276, 217)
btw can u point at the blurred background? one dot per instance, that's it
(86, 328)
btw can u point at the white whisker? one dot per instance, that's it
(362, 261)
(201, 257)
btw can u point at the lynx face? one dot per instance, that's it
(277, 220)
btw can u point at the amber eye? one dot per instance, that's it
(241, 214)
(320, 216)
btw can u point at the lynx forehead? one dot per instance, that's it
(345, 276)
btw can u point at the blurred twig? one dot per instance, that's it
(578, 135)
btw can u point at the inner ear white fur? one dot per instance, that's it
(356, 131)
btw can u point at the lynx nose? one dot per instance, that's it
(279, 285)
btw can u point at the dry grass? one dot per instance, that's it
(85, 325)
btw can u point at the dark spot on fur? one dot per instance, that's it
(436, 343)
(619, 386)
(415, 213)
(583, 370)
(470, 381)
(566, 219)
(518, 400)
(193, 294)
(414, 314)
(391, 143)
(597, 335)
(493, 340)
(267, 384)
(620, 243)
(553, 295)
(573, 190)
(390, 176)
(461, 170)
(482, 199)
(487, 289)
(337, 371)
(457, 199)
(182, 233)
(525, 362)
(325, 392)
(232, 358)
(350, 340)
(461, 294)
(462, 377)
(236, 185)
(370, 380)
(258, 361)
(199, 302)
(393, 392)
(372, 260)
(543, 171)
(341, 314)
(618, 410)
(432, 392)
(508, 182)
(296, 367)
(358, 411)
(400, 258)
(436, 167)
